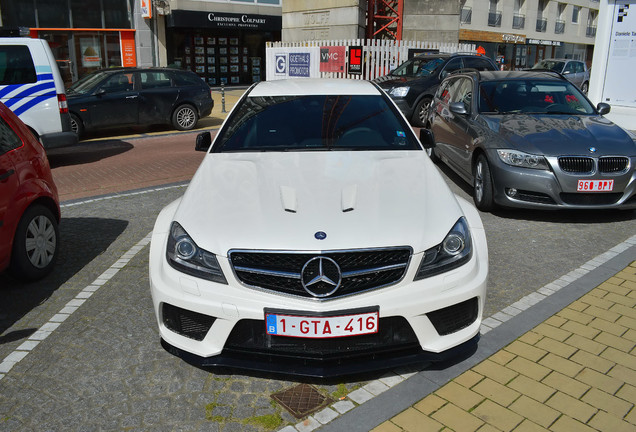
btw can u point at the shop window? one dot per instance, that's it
(116, 14)
(53, 13)
(18, 13)
(86, 13)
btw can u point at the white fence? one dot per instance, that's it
(379, 57)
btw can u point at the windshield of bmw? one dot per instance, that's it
(315, 123)
(556, 66)
(418, 67)
(532, 97)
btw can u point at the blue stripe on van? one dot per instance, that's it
(36, 100)
(28, 91)
(44, 77)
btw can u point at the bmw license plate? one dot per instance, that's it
(595, 186)
(321, 326)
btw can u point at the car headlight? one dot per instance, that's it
(455, 250)
(521, 159)
(399, 91)
(184, 255)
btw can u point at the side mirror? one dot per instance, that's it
(427, 139)
(100, 92)
(603, 108)
(204, 141)
(458, 108)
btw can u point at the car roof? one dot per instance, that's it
(313, 86)
(512, 75)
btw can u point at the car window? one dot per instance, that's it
(453, 65)
(184, 79)
(462, 91)
(315, 122)
(119, 82)
(556, 66)
(570, 67)
(478, 63)
(154, 79)
(532, 96)
(16, 65)
(9, 140)
(418, 66)
(578, 67)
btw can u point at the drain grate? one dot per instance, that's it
(301, 400)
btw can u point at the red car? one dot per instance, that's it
(29, 204)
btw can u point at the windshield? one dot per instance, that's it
(532, 96)
(315, 123)
(556, 66)
(418, 66)
(87, 83)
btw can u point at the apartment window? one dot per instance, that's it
(576, 12)
(542, 23)
(466, 13)
(518, 17)
(494, 16)
(559, 25)
(590, 30)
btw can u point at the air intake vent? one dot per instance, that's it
(578, 165)
(613, 164)
(187, 323)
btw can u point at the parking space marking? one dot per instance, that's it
(45, 331)
(123, 195)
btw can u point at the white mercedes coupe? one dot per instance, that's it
(317, 238)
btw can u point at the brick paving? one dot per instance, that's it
(574, 372)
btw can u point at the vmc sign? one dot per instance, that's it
(332, 59)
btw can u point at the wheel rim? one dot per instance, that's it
(185, 117)
(479, 181)
(40, 241)
(422, 114)
(74, 126)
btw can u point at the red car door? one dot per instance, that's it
(9, 182)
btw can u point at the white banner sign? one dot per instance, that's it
(620, 85)
(301, 62)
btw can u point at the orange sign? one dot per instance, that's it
(146, 9)
(128, 53)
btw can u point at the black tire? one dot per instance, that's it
(431, 152)
(185, 117)
(585, 87)
(419, 114)
(36, 244)
(76, 125)
(482, 185)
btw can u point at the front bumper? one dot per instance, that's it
(556, 189)
(231, 319)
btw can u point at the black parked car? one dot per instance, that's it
(531, 140)
(138, 96)
(413, 84)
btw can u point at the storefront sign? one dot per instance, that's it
(355, 60)
(543, 42)
(332, 59)
(299, 64)
(513, 38)
(146, 9)
(221, 20)
(128, 54)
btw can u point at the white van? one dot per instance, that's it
(32, 87)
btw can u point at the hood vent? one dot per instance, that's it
(349, 198)
(288, 198)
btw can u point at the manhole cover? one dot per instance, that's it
(301, 400)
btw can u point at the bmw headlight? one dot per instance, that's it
(455, 250)
(184, 255)
(399, 91)
(521, 159)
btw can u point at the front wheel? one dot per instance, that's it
(585, 87)
(482, 186)
(185, 117)
(36, 244)
(419, 115)
(76, 125)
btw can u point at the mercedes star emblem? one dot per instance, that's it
(321, 276)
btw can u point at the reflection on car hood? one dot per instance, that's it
(555, 135)
(280, 200)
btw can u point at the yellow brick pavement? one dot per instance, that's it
(574, 372)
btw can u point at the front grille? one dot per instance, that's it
(578, 165)
(613, 164)
(394, 334)
(454, 318)
(591, 198)
(187, 323)
(362, 270)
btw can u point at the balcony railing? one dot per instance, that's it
(466, 15)
(559, 27)
(590, 31)
(542, 25)
(518, 21)
(494, 19)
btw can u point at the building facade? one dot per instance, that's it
(520, 33)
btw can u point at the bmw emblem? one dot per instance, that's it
(592, 149)
(320, 235)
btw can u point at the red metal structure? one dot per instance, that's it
(384, 19)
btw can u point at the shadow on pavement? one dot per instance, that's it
(85, 153)
(82, 239)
